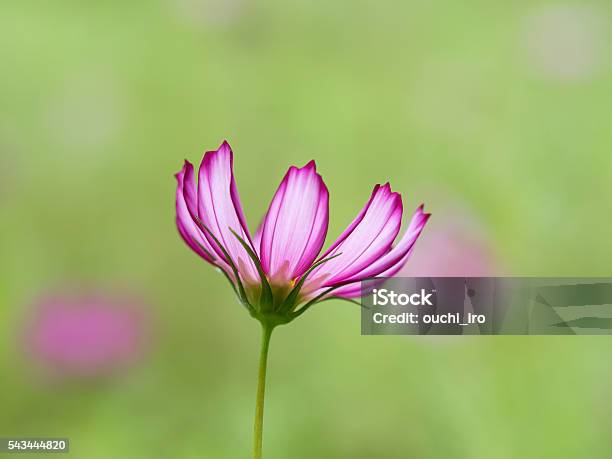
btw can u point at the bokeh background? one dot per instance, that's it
(497, 115)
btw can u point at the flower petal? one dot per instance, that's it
(353, 290)
(257, 239)
(295, 226)
(187, 228)
(389, 264)
(368, 237)
(394, 260)
(220, 210)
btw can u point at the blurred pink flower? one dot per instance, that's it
(456, 246)
(86, 334)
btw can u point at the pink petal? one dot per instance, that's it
(368, 237)
(395, 259)
(184, 221)
(353, 290)
(386, 266)
(295, 225)
(257, 239)
(348, 291)
(219, 209)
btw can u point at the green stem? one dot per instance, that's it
(266, 330)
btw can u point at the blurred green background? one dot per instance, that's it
(497, 115)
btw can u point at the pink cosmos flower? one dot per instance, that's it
(279, 272)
